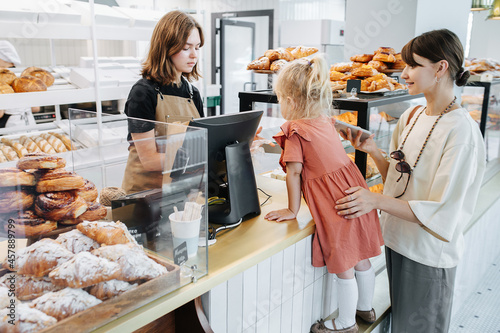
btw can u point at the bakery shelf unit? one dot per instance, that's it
(482, 100)
(375, 112)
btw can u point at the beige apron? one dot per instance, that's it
(169, 109)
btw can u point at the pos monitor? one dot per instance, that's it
(230, 169)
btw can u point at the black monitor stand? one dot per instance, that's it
(242, 197)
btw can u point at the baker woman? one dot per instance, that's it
(164, 94)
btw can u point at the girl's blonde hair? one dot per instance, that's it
(307, 82)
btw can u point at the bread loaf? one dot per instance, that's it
(44, 145)
(30, 145)
(28, 84)
(40, 73)
(64, 139)
(6, 89)
(55, 142)
(7, 76)
(9, 152)
(18, 148)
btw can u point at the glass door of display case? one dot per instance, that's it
(238, 38)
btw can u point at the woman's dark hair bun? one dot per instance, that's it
(462, 77)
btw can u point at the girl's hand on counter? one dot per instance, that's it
(280, 215)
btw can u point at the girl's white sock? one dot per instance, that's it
(366, 288)
(347, 291)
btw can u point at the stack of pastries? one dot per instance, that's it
(58, 278)
(274, 60)
(50, 143)
(31, 79)
(39, 194)
(478, 66)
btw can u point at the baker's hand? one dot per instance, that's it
(280, 215)
(358, 201)
(2, 112)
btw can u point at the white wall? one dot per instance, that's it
(484, 37)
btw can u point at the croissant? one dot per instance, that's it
(15, 200)
(16, 177)
(278, 64)
(59, 206)
(59, 180)
(109, 289)
(134, 263)
(27, 320)
(83, 270)
(77, 242)
(29, 287)
(342, 67)
(4, 294)
(64, 303)
(303, 51)
(40, 160)
(39, 258)
(109, 233)
(261, 63)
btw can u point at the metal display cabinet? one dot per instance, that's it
(368, 107)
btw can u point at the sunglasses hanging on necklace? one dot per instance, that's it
(402, 166)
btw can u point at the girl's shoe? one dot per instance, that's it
(319, 327)
(368, 316)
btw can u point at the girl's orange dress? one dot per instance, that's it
(327, 172)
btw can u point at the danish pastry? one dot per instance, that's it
(39, 258)
(378, 65)
(29, 287)
(16, 177)
(336, 76)
(342, 67)
(276, 65)
(95, 211)
(77, 242)
(362, 57)
(109, 233)
(134, 263)
(365, 71)
(28, 224)
(261, 63)
(399, 64)
(303, 51)
(109, 289)
(27, 320)
(84, 270)
(88, 191)
(64, 303)
(59, 180)
(40, 73)
(59, 206)
(338, 85)
(385, 49)
(40, 161)
(15, 200)
(385, 57)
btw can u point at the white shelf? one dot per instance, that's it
(71, 31)
(59, 97)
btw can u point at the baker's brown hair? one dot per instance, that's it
(169, 37)
(437, 45)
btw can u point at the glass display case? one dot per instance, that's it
(482, 100)
(169, 221)
(375, 112)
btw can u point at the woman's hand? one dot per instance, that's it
(367, 146)
(280, 215)
(258, 141)
(359, 201)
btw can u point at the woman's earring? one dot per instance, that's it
(436, 79)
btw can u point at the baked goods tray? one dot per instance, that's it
(385, 92)
(111, 309)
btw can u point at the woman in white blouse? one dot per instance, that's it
(431, 185)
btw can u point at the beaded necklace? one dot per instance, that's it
(430, 132)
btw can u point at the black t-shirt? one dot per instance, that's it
(142, 100)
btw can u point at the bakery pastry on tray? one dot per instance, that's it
(39, 258)
(60, 206)
(84, 270)
(12, 200)
(59, 180)
(39, 160)
(4, 296)
(109, 233)
(364, 71)
(261, 63)
(29, 287)
(77, 242)
(362, 57)
(133, 261)
(276, 65)
(27, 224)
(88, 191)
(28, 320)
(110, 289)
(64, 303)
(16, 177)
(95, 211)
(385, 57)
(303, 51)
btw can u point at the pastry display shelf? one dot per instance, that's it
(47, 30)
(363, 104)
(62, 96)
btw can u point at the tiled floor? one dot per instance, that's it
(481, 310)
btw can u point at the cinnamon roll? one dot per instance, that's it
(16, 177)
(40, 161)
(60, 206)
(59, 180)
(88, 191)
(95, 211)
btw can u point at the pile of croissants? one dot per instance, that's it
(274, 60)
(39, 194)
(31, 79)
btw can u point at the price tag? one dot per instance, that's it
(181, 254)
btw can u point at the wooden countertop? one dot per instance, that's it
(235, 251)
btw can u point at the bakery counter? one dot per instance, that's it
(234, 252)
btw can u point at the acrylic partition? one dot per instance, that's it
(100, 154)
